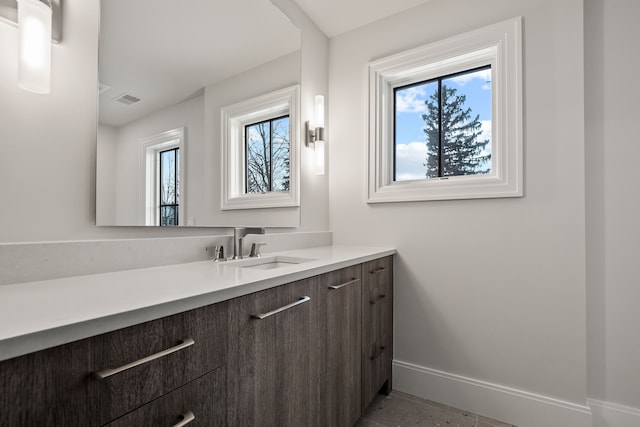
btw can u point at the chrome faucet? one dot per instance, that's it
(239, 234)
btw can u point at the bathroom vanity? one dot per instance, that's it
(304, 344)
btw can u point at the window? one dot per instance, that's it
(260, 152)
(267, 155)
(169, 186)
(445, 119)
(162, 172)
(443, 126)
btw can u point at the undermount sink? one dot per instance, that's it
(271, 262)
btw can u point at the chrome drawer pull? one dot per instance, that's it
(376, 271)
(344, 284)
(377, 300)
(106, 373)
(187, 417)
(283, 308)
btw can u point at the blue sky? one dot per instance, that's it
(411, 149)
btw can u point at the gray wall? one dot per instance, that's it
(48, 142)
(491, 290)
(613, 200)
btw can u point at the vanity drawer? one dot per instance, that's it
(377, 327)
(202, 401)
(135, 365)
(378, 278)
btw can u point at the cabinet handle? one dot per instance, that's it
(377, 300)
(378, 354)
(334, 287)
(187, 417)
(377, 270)
(261, 316)
(106, 373)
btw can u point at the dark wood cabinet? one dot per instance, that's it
(198, 338)
(341, 292)
(61, 386)
(46, 388)
(275, 357)
(377, 327)
(309, 353)
(201, 402)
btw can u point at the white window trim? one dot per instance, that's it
(234, 118)
(498, 45)
(150, 148)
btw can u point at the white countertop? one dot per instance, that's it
(43, 314)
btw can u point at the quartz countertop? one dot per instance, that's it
(43, 314)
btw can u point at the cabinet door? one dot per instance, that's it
(274, 357)
(199, 403)
(46, 388)
(377, 327)
(341, 291)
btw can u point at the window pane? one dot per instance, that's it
(177, 176)
(410, 148)
(280, 146)
(169, 187)
(267, 156)
(258, 157)
(168, 181)
(169, 215)
(466, 123)
(442, 127)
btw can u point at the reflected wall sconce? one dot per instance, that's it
(37, 29)
(315, 135)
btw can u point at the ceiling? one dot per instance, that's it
(163, 52)
(335, 17)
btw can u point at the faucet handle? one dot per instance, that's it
(255, 249)
(218, 253)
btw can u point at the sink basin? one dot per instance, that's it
(271, 262)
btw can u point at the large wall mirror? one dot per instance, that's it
(167, 69)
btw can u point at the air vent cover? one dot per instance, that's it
(126, 99)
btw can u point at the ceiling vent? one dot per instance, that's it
(126, 99)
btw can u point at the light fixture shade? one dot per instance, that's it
(319, 118)
(319, 158)
(34, 54)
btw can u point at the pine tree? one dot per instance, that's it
(462, 151)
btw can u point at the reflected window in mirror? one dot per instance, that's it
(162, 154)
(267, 155)
(169, 186)
(260, 151)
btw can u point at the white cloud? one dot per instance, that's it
(411, 100)
(486, 129)
(484, 75)
(410, 160)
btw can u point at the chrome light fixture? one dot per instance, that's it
(315, 135)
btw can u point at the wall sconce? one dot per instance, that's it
(36, 30)
(315, 135)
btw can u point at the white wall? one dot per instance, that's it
(106, 151)
(125, 170)
(278, 74)
(613, 203)
(490, 294)
(48, 142)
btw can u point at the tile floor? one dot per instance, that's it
(401, 410)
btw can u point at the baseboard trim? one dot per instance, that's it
(521, 408)
(608, 414)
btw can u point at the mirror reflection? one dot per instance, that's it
(166, 69)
